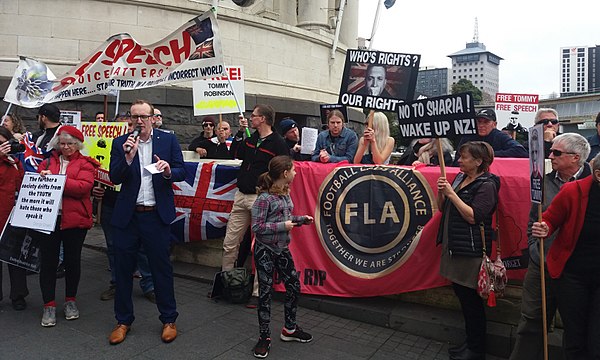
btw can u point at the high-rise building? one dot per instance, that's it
(580, 70)
(432, 82)
(477, 65)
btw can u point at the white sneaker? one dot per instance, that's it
(71, 311)
(49, 316)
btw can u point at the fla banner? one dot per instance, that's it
(375, 226)
(378, 80)
(121, 63)
(437, 117)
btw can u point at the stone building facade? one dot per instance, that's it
(285, 47)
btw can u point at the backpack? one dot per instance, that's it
(236, 285)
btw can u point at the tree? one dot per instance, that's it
(464, 85)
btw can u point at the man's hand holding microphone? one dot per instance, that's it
(131, 145)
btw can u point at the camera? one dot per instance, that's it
(16, 146)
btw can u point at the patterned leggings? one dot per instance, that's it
(266, 262)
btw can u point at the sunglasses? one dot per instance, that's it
(559, 153)
(208, 124)
(546, 121)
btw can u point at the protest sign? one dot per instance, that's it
(516, 109)
(71, 118)
(216, 96)
(536, 162)
(38, 202)
(191, 52)
(18, 248)
(378, 80)
(98, 138)
(326, 109)
(438, 117)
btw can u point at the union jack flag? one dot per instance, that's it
(32, 156)
(204, 51)
(203, 201)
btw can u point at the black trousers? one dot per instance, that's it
(474, 314)
(18, 282)
(579, 306)
(72, 240)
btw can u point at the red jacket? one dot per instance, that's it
(11, 176)
(76, 203)
(566, 214)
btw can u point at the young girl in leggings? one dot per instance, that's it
(272, 221)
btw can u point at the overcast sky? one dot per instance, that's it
(528, 34)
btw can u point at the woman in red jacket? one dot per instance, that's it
(11, 175)
(573, 261)
(73, 222)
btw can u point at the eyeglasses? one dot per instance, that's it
(558, 153)
(158, 116)
(143, 117)
(69, 144)
(208, 124)
(546, 121)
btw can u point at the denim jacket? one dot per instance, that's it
(339, 148)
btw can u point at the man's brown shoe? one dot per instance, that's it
(169, 332)
(118, 334)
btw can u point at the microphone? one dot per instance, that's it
(136, 134)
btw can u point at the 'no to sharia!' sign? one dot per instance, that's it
(378, 80)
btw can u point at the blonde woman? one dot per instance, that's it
(376, 145)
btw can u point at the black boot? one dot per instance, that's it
(453, 350)
(467, 354)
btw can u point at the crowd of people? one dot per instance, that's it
(148, 159)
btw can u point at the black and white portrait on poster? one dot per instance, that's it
(378, 80)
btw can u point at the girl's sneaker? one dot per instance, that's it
(261, 349)
(49, 316)
(297, 335)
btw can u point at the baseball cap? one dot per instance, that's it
(51, 111)
(489, 114)
(286, 125)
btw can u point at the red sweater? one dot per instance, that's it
(11, 176)
(76, 203)
(566, 214)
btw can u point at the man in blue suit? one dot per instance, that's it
(145, 166)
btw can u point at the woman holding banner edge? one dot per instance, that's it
(467, 205)
(11, 175)
(74, 220)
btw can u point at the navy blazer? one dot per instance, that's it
(167, 148)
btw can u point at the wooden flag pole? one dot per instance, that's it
(543, 286)
(370, 119)
(441, 157)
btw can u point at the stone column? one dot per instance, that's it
(349, 31)
(312, 15)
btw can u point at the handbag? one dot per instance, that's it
(492, 279)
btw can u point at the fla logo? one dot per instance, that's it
(369, 218)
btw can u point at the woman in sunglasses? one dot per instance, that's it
(548, 117)
(208, 127)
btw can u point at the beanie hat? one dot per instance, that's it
(286, 125)
(71, 130)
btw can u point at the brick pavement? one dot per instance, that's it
(207, 329)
